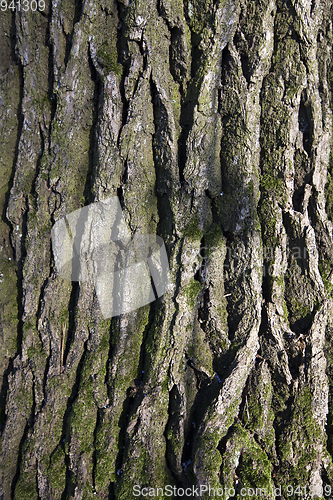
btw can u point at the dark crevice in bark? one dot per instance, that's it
(120, 195)
(305, 125)
(201, 377)
(32, 416)
(33, 190)
(143, 52)
(263, 328)
(20, 287)
(161, 12)
(87, 193)
(45, 378)
(68, 48)
(244, 57)
(182, 143)
(329, 370)
(172, 409)
(112, 495)
(321, 234)
(296, 360)
(243, 407)
(222, 446)
(202, 277)
(146, 334)
(175, 34)
(226, 62)
(71, 317)
(70, 481)
(20, 119)
(134, 394)
(276, 41)
(69, 36)
(166, 223)
(79, 5)
(303, 176)
(125, 103)
(234, 317)
(227, 67)
(313, 6)
(94, 455)
(51, 93)
(70, 477)
(130, 403)
(208, 389)
(281, 405)
(122, 49)
(188, 103)
(34, 193)
(3, 395)
(38, 315)
(302, 324)
(203, 310)
(206, 395)
(113, 326)
(20, 450)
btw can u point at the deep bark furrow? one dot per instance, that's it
(212, 123)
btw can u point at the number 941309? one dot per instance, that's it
(22, 5)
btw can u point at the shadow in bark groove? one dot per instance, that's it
(20, 449)
(134, 394)
(166, 224)
(78, 10)
(74, 297)
(125, 61)
(205, 396)
(70, 476)
(47, 364)
(87, 193)
(15, 60)
(79, 5)
(51, 93)
(20, 117)
(329, 356)
(94, 456)
(3, 395)
(172, 408)
(189, 101)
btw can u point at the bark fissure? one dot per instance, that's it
(212, 123)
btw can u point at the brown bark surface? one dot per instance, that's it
(212, 122)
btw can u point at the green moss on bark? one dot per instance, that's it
(191, 291)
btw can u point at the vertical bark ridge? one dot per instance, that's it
(212, 123)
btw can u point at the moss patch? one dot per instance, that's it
(298, 442)
(191, 291)
(192, 230)
(245, 458)
(108, 57)
(57, 470)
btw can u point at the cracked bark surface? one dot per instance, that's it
(212, 122)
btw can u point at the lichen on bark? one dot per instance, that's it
(212, 123)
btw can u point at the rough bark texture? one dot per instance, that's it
(211, 120)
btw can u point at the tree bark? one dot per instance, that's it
(212, 122)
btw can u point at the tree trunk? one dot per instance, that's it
(211, 121)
